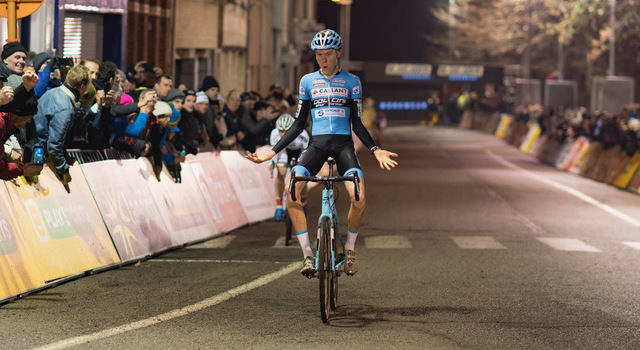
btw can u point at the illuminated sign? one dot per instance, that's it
(408, 69)
(403, 105)
(460, 72)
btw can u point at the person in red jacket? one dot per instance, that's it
(9, 123)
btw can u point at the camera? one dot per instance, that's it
(59, 62)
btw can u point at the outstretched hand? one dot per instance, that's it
(261, 157)
(384, 158)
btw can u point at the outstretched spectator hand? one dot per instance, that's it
(6, 95)
(157, 170)
(29, 80)
(147, 103)
(103, 99)
(31, 169)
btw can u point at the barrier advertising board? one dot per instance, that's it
(219, 194)
(254, 188)
(181, 205)
(63, 230)
(128, 208)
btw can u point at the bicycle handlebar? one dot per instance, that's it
(326, 179)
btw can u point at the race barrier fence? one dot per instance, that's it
(115, 212)
(611, 165)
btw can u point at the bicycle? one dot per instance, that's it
(329, 260)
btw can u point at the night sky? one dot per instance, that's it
(384, 30)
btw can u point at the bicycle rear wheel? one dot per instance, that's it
(324, 269)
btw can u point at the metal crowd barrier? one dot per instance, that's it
(89, 156)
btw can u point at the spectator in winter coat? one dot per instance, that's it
(56, 113)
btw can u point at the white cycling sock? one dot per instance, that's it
(303, 239)
(351, 239)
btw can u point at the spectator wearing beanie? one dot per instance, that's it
(41, 64)
(188, 124)
(12, 72)
(176, 99)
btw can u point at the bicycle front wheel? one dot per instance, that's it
(325, 272)
(334, 276)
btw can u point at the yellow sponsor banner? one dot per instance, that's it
(503, 126)
(623, 180)
(531, 138)
(18, 269)
(581, 159)
(63, 230)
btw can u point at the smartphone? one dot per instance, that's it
(107, 88)
(38, 155)
(183, 152)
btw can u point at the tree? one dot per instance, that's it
(500, 31)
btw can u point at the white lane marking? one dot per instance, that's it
(281, 240)
(219, 242)
(387, 242)
(569, 190)
(67, 343)
(568, 244)
(218, 261)
(634, 245)
(477, 242)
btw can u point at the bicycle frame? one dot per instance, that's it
(327, 264)
(329, 211)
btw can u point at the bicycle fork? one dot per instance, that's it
(327, 198)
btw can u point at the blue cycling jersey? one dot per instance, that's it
(331, 101)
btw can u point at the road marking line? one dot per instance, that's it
(67, 343)
(634, 245)
(218, 242)
(568, 244)
(477, 242)
(387, 242)
(281, 240)
(218, 261)
(620, 215)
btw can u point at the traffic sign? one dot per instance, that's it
(14, 9)
(23, 7)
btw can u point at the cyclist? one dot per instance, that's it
(334, 99)
(281, 161)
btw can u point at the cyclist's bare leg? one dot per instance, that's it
(356, 212)
(279, 180)
(299, 220)
(279, 185)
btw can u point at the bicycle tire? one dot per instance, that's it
(288, 229)
(334, 277)
(324, 269)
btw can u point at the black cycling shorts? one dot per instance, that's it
(321, 147)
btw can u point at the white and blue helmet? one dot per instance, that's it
(326, 39)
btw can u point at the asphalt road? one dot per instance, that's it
(468, 244)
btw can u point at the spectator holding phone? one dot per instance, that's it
(9, 124)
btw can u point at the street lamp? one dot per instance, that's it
(345, 29)
(612, 39)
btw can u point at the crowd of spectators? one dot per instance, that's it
(59, 105)
(613, 138)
